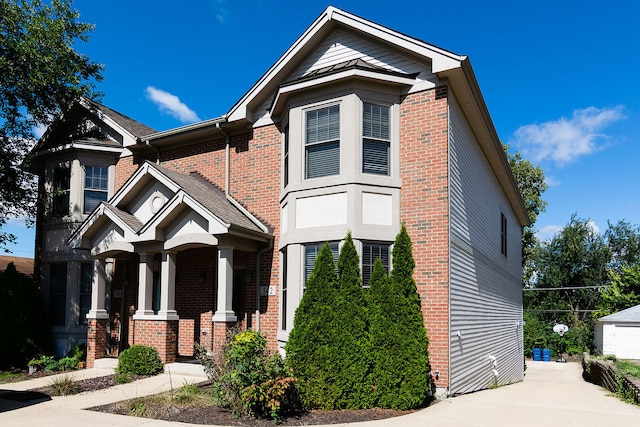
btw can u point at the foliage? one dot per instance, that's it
(401, 370)
(248, 380)
(23, 325)
(350, 364)
(624, 243)
(312, 338)
(41, 74)
(623, 293)
(531, 183)
(628, 368)
(139, 360)
(63, 386)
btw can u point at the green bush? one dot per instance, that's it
(139, 360)
(248, 380)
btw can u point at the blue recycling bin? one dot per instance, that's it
(537, 354)
(546, 355)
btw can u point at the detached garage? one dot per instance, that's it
(619, 334)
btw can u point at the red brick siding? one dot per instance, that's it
(424, 207)
(96, 340)
(161, 334)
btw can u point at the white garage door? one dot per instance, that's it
(628, 342)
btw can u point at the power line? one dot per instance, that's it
(568, 288)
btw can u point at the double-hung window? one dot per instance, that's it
(96, 186)
(370, 253)
(375, 139)
(322, 143)
(311, 253)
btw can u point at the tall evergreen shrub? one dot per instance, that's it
(401, 371)
(351, 361)
(312, 338)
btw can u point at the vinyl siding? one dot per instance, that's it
(485, 295)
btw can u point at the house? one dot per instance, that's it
(619, 334)
(171, 238)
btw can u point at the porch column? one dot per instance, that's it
(145, 285)
(97, 317)
(168, 287)
(98, 291)
(224, 310)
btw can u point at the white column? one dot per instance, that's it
(98, 291)
(145, 286)
(224, 310)
(168, 287)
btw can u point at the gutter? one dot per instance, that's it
(227, 159)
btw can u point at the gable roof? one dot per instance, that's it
(330, 19)
(631, 315)
(59, 134)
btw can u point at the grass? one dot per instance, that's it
(628, 368)
(9, 377)
(63, 386)
(189, 395)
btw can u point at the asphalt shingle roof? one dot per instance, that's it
(631, 314)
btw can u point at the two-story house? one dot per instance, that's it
(171, 238)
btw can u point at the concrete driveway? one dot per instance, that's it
(552, 394)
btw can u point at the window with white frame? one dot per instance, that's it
(370, 253)
(376, 139)
(311, 252)
(86, 277)
(322, 142)
(96, 186)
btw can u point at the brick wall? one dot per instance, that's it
(424, 207)
(96, 340)
(161, 334)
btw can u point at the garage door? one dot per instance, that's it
(628, 342)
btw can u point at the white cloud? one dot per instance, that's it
(170, 104)
(564, 140)
(220, 10)
(548, 231)
(593, 226)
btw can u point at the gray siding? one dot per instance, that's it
(342, 46)
(486, 291)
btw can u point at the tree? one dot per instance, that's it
(312, 338)
(401, 371)
(624, 242)
(23, 324)
(623, 293)
(351, 361)
(573, 266)
(531, 183)
(41, 74)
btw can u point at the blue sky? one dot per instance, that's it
(559, 77)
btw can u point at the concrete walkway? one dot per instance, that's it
(552, 394)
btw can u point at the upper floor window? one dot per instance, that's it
(322, 143)
(375, 139)
(370, 253)
(503, 234)
(61, 186)
(96, 186)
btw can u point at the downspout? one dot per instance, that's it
(258, 257)
(226, 159)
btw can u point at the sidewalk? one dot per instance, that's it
(551, 394)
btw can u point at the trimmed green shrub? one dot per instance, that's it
(401, 370)
(350, 363)
(139, 360)
(312, 339)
